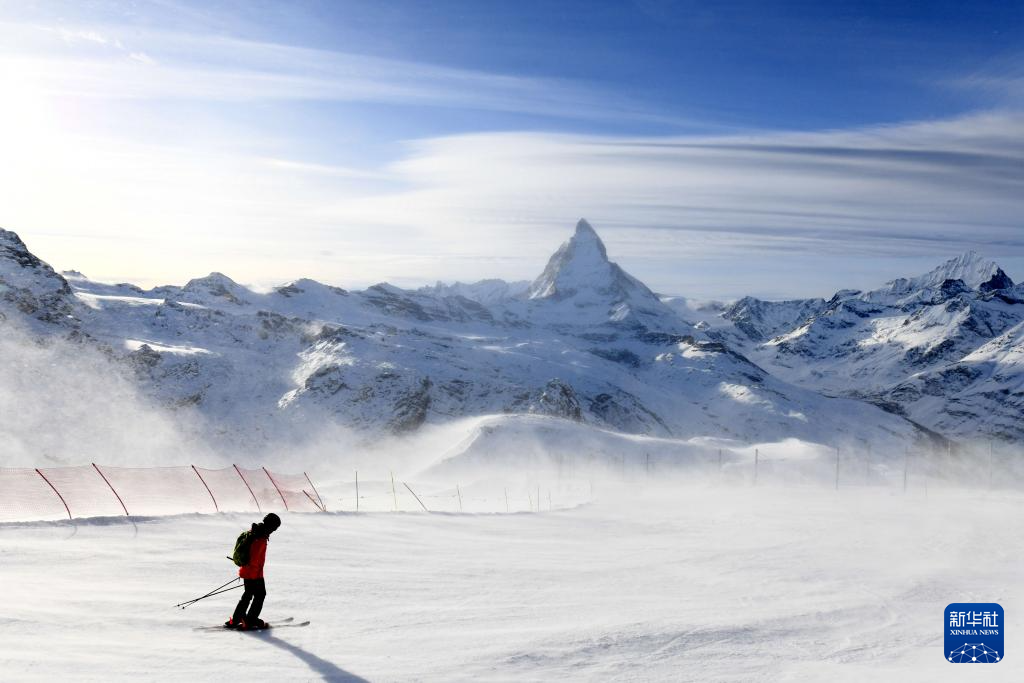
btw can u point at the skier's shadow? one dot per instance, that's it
(327, 670)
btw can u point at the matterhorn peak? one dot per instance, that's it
(585, 234)
(580, 263)
(580, 276)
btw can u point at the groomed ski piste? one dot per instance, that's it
(625, 572)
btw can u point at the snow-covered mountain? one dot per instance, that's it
(486, 292)
(29, 288)
(584, 342)
(759, 320)
(580, 286)
(941, 348)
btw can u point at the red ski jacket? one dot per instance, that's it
(257, 556)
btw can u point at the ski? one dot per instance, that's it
(289, 622)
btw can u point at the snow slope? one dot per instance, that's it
(681, 584)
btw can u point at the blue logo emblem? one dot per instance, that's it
(974, 633)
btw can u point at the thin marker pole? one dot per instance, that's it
(55, 491)
(313, 501)
(458, 492)
(248, 487)
(506, 500)
(837, 469)
(322, 506)
(416, 497)
(757, 457)
(98, 470)
(990, 453)
(279, 492)
(393, 494)
(719, 459)
(906, 466)
(357, 490)
(215, 506)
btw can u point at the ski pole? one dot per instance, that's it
(209, 595)
(212, 592)
(215, 590)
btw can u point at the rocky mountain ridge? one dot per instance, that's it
(941, 348)
(585, 342)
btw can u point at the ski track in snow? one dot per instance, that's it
(691, 584)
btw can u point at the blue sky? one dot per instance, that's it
(776, 149)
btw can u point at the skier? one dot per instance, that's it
(246, 616)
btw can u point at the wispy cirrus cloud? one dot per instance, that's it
(916, 192)
(1000, 80)
(94, 62)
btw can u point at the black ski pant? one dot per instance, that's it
(255, 591)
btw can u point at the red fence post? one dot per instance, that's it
(248, 487)
(276, 487)
(313, 501)
(98, 470)
(322, 506)
(55, 491)
(215, 506)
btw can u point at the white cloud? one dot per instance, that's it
(162, 65)
(925, 189)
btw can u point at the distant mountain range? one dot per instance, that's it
(938, 354)
(944, 348)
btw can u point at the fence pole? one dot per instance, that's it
(100, 472)
(837, 469)
(648, 465)
(267, 472)
(550, 507)
(867, 467)
(990, 450)
(459, 494)
(416, 497)
(757, 456)
(393, 494)
(538, 497)
(906, 466)
(322, 506)
(313, 501)
(357, 490)
(506, 499)
(254, 499)
(215, 506)
(55, 491)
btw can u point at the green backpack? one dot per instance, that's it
(240, 555)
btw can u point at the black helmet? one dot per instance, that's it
(272, 521)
